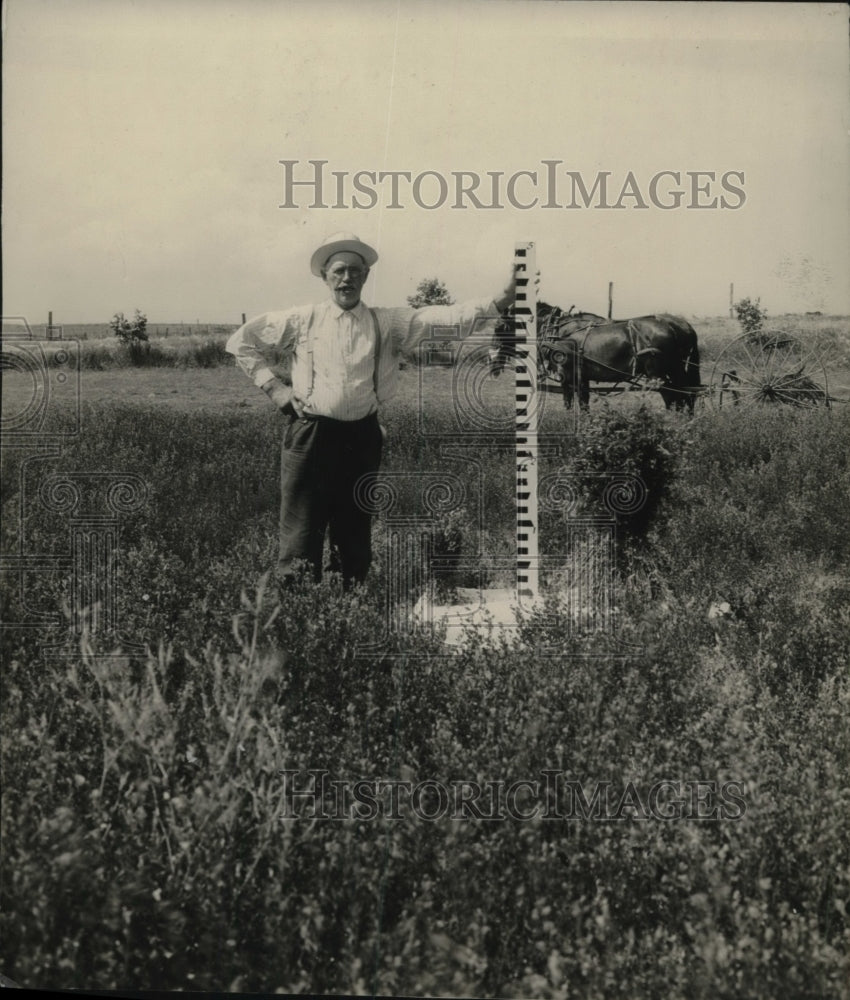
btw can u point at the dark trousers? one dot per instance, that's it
(321, 460)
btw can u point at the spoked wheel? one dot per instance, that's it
(776, 368)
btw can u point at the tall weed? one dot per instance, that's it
(150, 837)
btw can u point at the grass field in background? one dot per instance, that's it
(196, 371)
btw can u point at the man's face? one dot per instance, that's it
(345, 275)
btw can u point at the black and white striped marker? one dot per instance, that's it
(527, 420)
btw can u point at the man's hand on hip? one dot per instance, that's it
(283, 397)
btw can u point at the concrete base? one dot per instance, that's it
(494, 613)
(488, 611)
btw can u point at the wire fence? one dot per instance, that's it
(97, 331)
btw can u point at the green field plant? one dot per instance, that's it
(144, 836)
(192, 351)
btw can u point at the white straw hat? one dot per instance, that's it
(341, 243)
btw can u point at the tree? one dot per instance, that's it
(751, 316)
(430, 292)
(127, 332)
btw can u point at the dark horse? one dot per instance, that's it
(580, 348)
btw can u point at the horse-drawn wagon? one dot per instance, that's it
(580, 352)
(765, 368)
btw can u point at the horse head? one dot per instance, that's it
(553, 323)
(504, 336)
(504, 342)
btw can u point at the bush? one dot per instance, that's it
(144, 354)
(751, 316)
(638, 449)
(209, 353)
(430, 292)
(127, 332)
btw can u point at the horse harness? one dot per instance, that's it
(637, 343)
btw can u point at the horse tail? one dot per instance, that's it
(692, 370)
(693, 378)
(688, 350)
(571, 372)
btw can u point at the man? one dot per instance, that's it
(344, 360)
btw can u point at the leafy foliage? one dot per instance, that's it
(127, 331)
(639, 449)
(752, 317)
(430, 292)
(195, 351)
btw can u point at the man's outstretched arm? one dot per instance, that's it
(411, 326)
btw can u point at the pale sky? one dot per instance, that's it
(142, 143)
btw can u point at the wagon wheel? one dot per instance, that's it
(777, 368)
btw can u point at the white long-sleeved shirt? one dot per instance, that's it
(340, 381)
